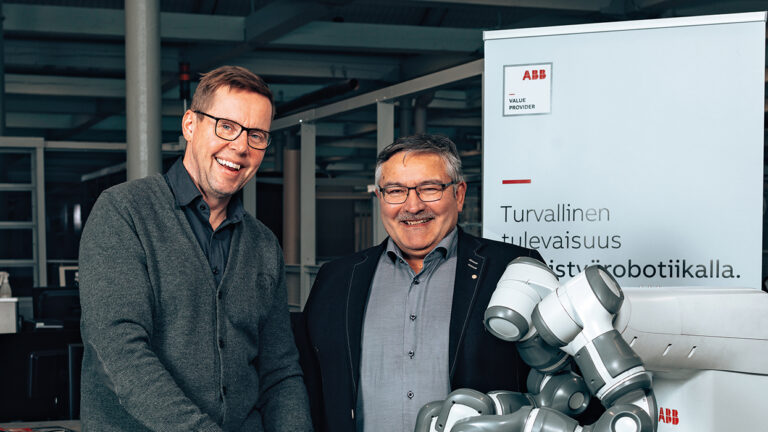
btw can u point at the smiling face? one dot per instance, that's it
(417, 227)
(219, 168)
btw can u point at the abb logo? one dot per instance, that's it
(535, 74)
(668, 416)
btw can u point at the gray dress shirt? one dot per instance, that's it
(404, 362)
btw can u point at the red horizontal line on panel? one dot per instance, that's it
(517, 181)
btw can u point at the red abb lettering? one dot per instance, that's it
(535, 74)
(667, 415)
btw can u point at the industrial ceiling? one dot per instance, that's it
(65, 60)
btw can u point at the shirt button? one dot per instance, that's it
(410, 395)
(221, 343)
(215, 270)
(413, 317)
(415, 281)
(411, 354)
(202, 207)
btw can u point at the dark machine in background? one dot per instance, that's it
(41, 363)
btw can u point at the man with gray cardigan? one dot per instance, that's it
(185, 322)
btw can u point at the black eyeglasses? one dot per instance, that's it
(427, 192)
(229, 130)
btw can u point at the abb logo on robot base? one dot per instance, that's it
(668, 416)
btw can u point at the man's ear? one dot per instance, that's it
(461, 191)
(188, 123)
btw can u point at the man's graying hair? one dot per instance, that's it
(435, 144)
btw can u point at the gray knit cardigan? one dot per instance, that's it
(165, 348)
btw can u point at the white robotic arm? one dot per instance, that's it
(529, 306)
(578, 317)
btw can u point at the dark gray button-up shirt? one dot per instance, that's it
(404, 362)
(215, 244)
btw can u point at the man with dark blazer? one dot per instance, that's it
(398, 325)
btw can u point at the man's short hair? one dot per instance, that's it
(233, 77)
(424, 143)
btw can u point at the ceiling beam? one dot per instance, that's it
(382, 37)
(110, 23)
(283, 64)
(66, 121)
(30, 103)
(92, 59)
(64, 86)
(279, 18)
(76, 57)
(704, 7)
(581, 5)
(201, 28)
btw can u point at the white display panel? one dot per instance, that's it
(647, 156)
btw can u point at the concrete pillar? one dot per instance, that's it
(308, 193)
(142, 88)
(385, 135)
(291, 201)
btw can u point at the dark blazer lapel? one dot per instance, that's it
(469, 273)
(357, 298)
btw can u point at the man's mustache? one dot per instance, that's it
(408, 216)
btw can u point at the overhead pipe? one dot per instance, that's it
(318, 96)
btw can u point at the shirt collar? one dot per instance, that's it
(181, 183)
(186, 192)
(446, 248)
